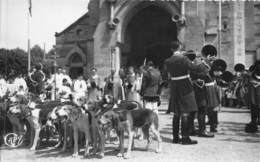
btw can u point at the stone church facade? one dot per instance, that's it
(116, 33)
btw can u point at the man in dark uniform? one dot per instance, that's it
(254, 102)
(209, 53)
(150, 87)
(182, 94)
(38, 78)
(241, 85)
(198, 80)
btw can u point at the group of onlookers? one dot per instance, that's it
(12, 85)
(196, 87)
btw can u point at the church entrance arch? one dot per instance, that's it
(148, 35)
(76, 65)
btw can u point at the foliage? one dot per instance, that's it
(37, 54)
(15, 61)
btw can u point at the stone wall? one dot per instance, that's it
(98, 40)
(194, 32)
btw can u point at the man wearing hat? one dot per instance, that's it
(241, 85)
(198, 80)
(254, 102)
(182, 100)
(95, 85)
(38, 77)
(212, 95)
(150, 87)
(216, 67)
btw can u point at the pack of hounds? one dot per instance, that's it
(93, 120)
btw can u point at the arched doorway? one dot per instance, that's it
(76, 65)
(148, 35)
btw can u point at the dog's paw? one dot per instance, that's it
(159, 150)
(33, 148)
(57, 145)
(75, 155)
(119, 155)
(101, 155)
(127, 156)
(63, 150)
(141, 138)
(116, 142)
(94, 151)
(86, 154)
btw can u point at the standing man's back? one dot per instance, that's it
(182, 100)
(150, 87)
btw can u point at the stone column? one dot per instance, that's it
(181, 24)
(115, 65)
(115, 59)
(258, 54)
(181, 34)
(239, 32)
(192, 34)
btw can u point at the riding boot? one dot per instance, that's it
(185, 130)
(192, 128)
(213, 121)
(175, 128)
(252, 126)
(254, 114)
(202, 126)
(258, 117)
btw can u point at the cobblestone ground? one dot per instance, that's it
(231, 143)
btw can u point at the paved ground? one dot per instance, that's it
(230, 144)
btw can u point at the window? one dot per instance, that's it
(225, 26)
(79, 32)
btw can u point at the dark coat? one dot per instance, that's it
(182, 98)
(200, 94)
(151, 83)
(207, 95)
(38, 77)
(198, 80)
(254, 92)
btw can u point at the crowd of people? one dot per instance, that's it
(130, 84)
(198, 86)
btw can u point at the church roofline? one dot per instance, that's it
(72, 25)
